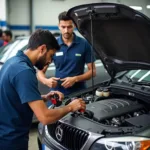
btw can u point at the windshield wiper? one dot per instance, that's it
(129, 79)
(141, 83)
(1, 63)
(147, 83)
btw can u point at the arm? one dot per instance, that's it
(70, 81)
(41, 74)
(29, 94)
(47, 116)
(51, 82)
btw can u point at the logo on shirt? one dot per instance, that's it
(77, 54)
(59, 54)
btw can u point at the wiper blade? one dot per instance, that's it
(136, 82)
(141, 83)
(129, 79)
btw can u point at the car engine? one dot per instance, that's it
(113, 111)
(110, 109)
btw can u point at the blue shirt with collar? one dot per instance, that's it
(18, 86)
(70, 61)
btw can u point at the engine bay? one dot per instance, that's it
(114, 112)
(111, 107)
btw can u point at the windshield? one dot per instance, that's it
(11, 49)
(139, 75)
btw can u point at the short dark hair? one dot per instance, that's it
(40, 37)
(8, 33)
(1, 32)
(63, 16)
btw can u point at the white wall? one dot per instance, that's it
(45, 12)
(18, 16)
(3, 15)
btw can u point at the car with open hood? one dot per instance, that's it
(117, 116)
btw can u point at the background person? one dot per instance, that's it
(70, 60)
(7, 36)
(2, 42)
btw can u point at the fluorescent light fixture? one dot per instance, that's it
(136, 7)
(148, 6)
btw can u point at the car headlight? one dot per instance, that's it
(122, 143)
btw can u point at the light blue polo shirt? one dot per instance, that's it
(70, 61)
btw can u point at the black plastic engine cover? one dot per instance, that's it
(106, 109)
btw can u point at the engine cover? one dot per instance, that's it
(106, 109)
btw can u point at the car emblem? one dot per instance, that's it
(59, 133)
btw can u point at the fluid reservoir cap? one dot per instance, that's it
(99, 92)
(100, 89)
(105, 90)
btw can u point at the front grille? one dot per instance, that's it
(72, 139)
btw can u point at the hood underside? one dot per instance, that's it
(119, 35)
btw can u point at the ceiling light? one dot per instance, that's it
(136, 7)
(148, 6)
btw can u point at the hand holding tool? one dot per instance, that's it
(55, 100)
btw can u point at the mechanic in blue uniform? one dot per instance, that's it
(70, 60)
(19, 94)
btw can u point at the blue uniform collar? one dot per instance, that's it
(25, 57)
(75, 40)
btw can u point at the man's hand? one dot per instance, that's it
(68, 81)
(61, 95)
(77, 105)
(51, 82)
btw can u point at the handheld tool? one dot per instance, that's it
(55, 101)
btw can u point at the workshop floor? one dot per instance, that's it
(33, 138)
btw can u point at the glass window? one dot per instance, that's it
(139, 75)
(10, 50)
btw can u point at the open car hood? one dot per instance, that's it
(119, 35)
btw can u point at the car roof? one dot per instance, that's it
(22, 37)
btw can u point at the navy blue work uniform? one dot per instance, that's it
(18, 86)
(70, 61)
